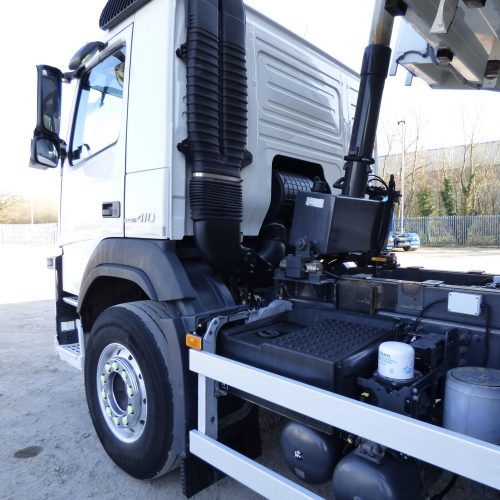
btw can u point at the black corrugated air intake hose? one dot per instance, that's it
(217, 112)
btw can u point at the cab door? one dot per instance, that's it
(92, 186)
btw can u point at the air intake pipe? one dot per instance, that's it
(217, 112)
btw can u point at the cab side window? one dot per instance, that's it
(99, 114)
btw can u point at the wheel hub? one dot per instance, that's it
(122, 392)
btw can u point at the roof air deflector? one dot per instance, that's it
(116, 11)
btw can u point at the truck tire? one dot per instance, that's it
(128, 390)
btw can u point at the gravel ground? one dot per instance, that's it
(49, 448)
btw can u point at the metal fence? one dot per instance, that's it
(470, 230)
(473, 231)
(28, 234)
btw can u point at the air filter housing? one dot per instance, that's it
(336, 224)
(116, 11)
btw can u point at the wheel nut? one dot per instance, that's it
(116, 420)
(130, 391)
(115, 366)
(107, 367)
(103, 379)
(125, 420)
(130, 409)
(104, 395)
(108, 411)
(124, 375)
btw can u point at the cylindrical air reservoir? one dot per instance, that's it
(311, 455)
(396, 361)
(356, 477)
(472, 402)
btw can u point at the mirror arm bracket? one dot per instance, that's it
(69, 76)
(63, 151)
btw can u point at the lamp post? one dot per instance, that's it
(402, 130)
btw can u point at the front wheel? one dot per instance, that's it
(128, 389)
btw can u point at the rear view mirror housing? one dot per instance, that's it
(49, 100)
(45, 153)
(46, 143)
(84, 54)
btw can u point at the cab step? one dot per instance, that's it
(73, 354)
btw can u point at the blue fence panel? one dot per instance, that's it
(468, 230)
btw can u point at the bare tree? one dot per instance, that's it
(387, 135)
(7, 204)
(15, 209)
(472, 170)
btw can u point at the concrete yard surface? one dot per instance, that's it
(49, 449)
(453, 259)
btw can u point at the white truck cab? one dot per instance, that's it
(130, 117)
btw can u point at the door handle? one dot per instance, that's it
(111, 210)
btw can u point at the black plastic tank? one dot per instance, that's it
(358, 478)
(310, 454)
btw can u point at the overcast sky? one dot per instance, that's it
(50, 31)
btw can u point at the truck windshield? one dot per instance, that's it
(98, 118)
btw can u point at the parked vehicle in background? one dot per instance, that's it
(390, 242)
(414, 239)
(401, 240)
(406, 241)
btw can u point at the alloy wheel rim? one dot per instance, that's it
(121, 392)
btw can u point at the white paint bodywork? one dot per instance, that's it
(301, 105)
(87, 185)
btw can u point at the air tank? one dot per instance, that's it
(311, 455)
(356, 477)
(472, 403)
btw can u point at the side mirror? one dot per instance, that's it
(85, 54)
(49, 100)
(44, 153)
(46, 144)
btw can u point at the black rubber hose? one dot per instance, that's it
(203, 100)
(274, 248)
(217, 119)
(234, 90)
(215, 188)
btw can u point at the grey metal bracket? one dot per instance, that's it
(444, 17)
(208, 389)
